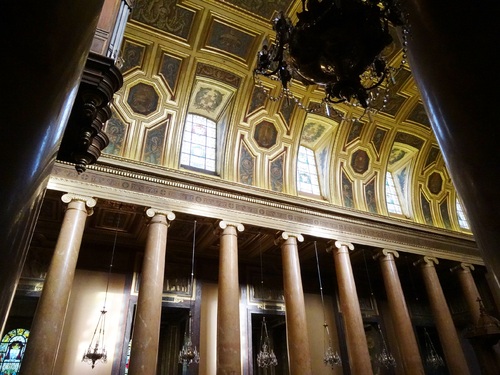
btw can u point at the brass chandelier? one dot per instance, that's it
(337, 45)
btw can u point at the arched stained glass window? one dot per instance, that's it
(307, 172)
(462, 220)
(391, 195)
(12, 349)
(199, 143)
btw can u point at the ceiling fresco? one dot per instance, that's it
(197, 57)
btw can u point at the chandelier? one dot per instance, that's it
(96, 350)
(432, 358)
(337, 45)
(330, 357)
(385, 357)
(188, 353)
(266, 357)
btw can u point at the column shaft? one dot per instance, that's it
(228, 304)
(40, 107)
(470, 291)
(48, 322)
(146, 333)
(299, 357)
(407, 343)
(486, 355)
(454, 355)
(442, 54)
(357, 347)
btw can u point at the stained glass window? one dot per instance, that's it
(307, 172)
(391, 196)
(12, 349)
(127, 361)
(199, 143)
(462, 220)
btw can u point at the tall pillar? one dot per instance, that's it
(480, 340)
(228, 302)
(299, 357)
(146, 331)
(407, 342)
(357, 347)
(48, 322)
(453, 353)
(469, 288)
(39, 106)
(453, 60)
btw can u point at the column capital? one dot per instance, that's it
(339, 244)
(283, 236)
(223, 224)
(462, 267)
(89, 201)
(428, 260)
(152, 211)
(385, 253)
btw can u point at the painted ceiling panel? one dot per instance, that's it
(198, 56)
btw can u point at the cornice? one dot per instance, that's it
(188, 197)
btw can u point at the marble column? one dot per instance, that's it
(450, 342)
(357, 347)
(452, 55)
(35, 115)
(299, 357)
(228, 301)
(48, 322)
(411, 362)
(146, 331)
(485, 353)
(469, 288)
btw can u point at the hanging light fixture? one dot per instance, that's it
(384, 357)
(432, 358)
(266, 357)
(330, 357)
(96, 350)
(188, 353)
(337, 45)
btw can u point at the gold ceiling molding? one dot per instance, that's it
(192, 198)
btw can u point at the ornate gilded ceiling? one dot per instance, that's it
(197, 57)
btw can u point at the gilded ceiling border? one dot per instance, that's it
(187, 197)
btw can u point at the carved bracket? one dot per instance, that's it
(84, 138)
